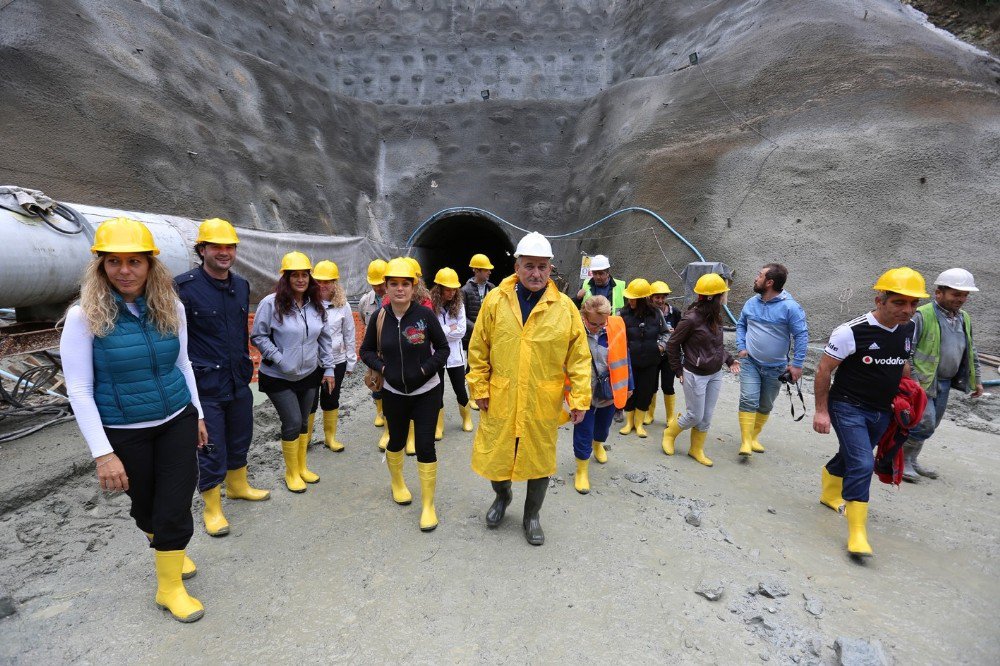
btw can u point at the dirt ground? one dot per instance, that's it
(343, 574)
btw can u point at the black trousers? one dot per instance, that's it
(293, 407)
(457, 377)
(422, 409)
(330, 399)
(667, 377)
(162, 467)
(645, 387)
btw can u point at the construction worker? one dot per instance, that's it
(473, 292)
(367, 306)
(133, 392)
(766, 324)
(601, 283)
(340, 325)
(447, 302)
(528, 338)
(699, 369)
(944, 357)
(611, 385)
(404, 341)
(868, 356)
(647, 335)
(658, 292)
(296, 359)
(217, 303)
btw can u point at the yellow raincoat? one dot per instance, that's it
(523, 371)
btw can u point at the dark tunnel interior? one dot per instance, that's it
(451, 241)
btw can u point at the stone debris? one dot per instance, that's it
(7, 606)
(693, 518)
(814, 605)
(726, 536)
(859, 652)
(772, 510)
(636, 477)
(772, 588)
(711, 589)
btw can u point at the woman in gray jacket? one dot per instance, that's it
(296, 351)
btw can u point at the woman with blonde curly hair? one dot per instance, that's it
(129, 380)
(448, 304)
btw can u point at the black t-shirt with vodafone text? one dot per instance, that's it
(872, 358)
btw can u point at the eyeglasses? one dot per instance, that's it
(598, 324)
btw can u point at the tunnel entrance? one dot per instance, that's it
(450, 238)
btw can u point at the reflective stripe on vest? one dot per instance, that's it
(618, 360)
(927, 354)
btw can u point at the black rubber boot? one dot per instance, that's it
(532, 505)
(497, 510)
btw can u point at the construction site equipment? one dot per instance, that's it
(956, 278)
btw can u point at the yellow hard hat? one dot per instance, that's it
(905, 281)
(447, 277)
(121, 234)
(376, 271)
(416, 266)
(326, 270)
(637, 288)
(710, 284)
(295, 261)
(400, 267)
(659, 287)
(217, 230)
(480, 261)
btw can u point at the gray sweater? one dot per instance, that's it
(294, 347)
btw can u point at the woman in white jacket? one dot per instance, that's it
(340, 325)
(446, 301)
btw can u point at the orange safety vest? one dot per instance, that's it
(617, 361)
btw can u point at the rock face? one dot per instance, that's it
(838, 138)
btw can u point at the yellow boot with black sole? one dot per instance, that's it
(629, 423)
(697, 450)
(379, 416)
(600, 453)
(188, 570)
(857, 529)
(466, 414)
(411, 442)
(170, 592)
(439, 429)
(215, 522)
(582, 479)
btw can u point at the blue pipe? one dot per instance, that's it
(992, 382)
(496, 218)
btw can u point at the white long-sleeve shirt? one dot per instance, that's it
(340, 324)
(76, 347)
(456, 355)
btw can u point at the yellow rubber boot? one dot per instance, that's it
(582, 480)
(215, 523)
(379, 416)
(669, 403)
(237, 487)
(857, 530)
(330, 419)
(384, 439)
(747, 420)
(170, 592)
(309, 427)
(669, 435)
(466, 418)
(698, 447)
(755, 444)
(830, 494)
(439, 430)
(428, 482)
(290, 451)
(640, 429)
(400, 493)
(600, 453)
(411, 442)
(629, 423)
(188, 570)
(474, 405)
(647, 416)
(304, 473)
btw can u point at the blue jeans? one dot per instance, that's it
(759, 385)
(858, 429)
(934, 412)
(230, 429)
(595, 426)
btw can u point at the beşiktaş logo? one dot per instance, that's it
(896, 360)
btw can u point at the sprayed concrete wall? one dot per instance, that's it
(839, 138)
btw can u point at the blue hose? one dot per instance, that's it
(496, 218)
(992, 382)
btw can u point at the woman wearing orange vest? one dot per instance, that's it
(610, 381)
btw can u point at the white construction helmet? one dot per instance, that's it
(956, 278)
(534, 245)
(599, 263)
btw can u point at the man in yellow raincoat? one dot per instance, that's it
(528, 339)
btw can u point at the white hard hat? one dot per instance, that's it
(956, 278)
(534, 245)
(599, 263)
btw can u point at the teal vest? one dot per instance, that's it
(136, 378)
(928, 352)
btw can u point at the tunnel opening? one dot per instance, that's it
(451, 240)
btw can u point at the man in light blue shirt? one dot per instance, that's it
(768, 324)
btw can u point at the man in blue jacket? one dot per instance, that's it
(768, 323)
(217, 304)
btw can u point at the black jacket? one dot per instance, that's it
(410, 359)
(470, 293)
(645, 335)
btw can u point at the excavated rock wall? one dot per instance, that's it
(839, 138)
